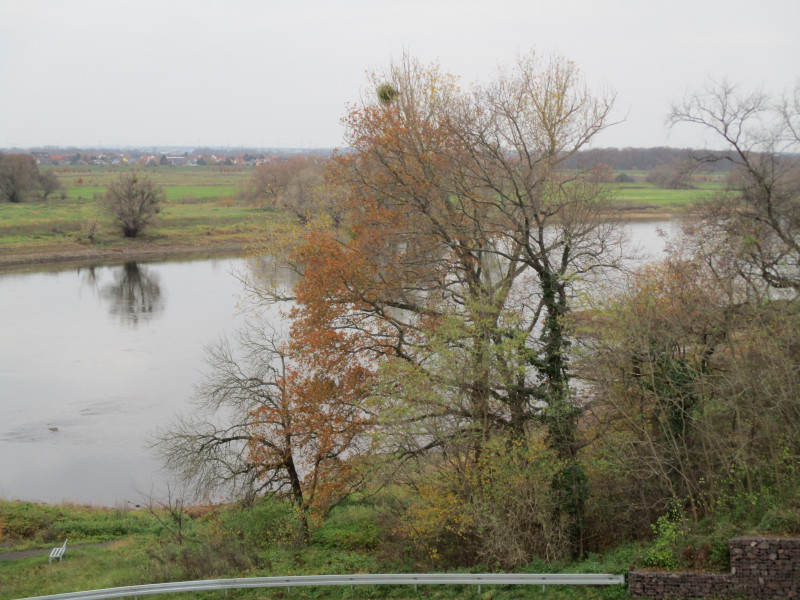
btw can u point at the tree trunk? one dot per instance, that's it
(298, 499)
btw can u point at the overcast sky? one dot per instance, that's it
(147, 73)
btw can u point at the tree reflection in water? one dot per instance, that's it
(134, 295)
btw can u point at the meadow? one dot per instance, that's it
(208, 209)
(205, 208)
(646, 196)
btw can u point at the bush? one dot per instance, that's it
(349, 527)
(213, 558)
(665, 551)
(501, 512)
(24, 520)
(268, 522)
(624, 178)
(782, 519)
(133, 202)
(44, 523)
(672, 177)
(104, 526)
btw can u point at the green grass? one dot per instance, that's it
(646, 195)
(193, 193)
(26, 525)
(234, 542)
(204, 206)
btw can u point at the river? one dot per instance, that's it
(94, 360)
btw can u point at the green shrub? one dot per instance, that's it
(349, 527)
(266, 523)
(781, 519)
(665, 551)
(24, 520)
(104, 526)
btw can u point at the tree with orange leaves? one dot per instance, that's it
(465, 245)
(288, 426)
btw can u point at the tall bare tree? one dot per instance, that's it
(758, 219)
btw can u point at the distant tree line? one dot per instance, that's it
(644, 159)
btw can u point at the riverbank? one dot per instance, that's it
(121, 547)
(66, 251)
(209, 211)
(65, 255)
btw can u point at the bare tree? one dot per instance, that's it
(210, 449)
(18, 176)
(262, 427)
(169, 510)
(48, 183)
(758, 219)
(296, 186)
(133, 201)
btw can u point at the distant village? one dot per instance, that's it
(171, 158)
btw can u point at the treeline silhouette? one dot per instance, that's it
(644, 159)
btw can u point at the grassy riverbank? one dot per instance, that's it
(118, 547)
(129, 545)
(206, 211)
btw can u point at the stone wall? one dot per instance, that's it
(762, 568)
(766, 567)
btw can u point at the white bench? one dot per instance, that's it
(58, 552)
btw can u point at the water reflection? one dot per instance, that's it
(92, 361)
(80, 392)
(134, 294)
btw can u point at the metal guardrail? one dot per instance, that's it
(351, 580)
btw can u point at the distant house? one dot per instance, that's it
(42, 158)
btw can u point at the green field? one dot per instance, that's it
(645, 195)
(205, 206)
(641, 195)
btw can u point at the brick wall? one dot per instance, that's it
(762, 568)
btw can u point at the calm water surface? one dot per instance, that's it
(94, 360)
